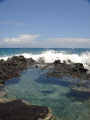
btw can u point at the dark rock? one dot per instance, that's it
(22, 58)
(36, 66)
(17, 110)
(69, 61)
(13, 66)
(1, 61)
(78, 67)
(78, 64)
(64, 61)
(14, 58)
(75, 69)
(8, 59)
(54, 74)
(80, 84)
(83, 69)
(57, 62)
(2, 81)
(30, 60)
(47, 76)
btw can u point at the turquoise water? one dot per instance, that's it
(14, 51)
(51, 92)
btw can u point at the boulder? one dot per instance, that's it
(17, 110)
(57, 62)
(64, 61)
(78, 64)
(78, 67)
(83, 69)
(14, 58)
(69, 61)
(21, 58)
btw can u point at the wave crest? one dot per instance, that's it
(51, 55)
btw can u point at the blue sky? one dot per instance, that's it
(45, 23)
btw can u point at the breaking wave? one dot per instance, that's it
(51, 55)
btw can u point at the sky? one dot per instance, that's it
(45, 23)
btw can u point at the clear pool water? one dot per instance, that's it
(52, 92)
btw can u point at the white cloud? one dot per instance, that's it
(66, 42)
(69, 39)
(21, 39)
(27, 40)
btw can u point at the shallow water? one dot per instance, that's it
(52, 92)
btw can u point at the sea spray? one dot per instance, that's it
(50, 56)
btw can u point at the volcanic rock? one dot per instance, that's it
(17, 110)
(57, 62)
(13, 66)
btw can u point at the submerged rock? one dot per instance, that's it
(17, 110)
(80, 84)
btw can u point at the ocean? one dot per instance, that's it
(81, 55)
(55, 93)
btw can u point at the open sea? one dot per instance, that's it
(67, 104)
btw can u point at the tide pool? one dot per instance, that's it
(55, 93)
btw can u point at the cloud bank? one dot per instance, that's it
(67, 43)
(27, 40)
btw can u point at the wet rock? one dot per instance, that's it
(78, 64)
(2, 81)
(41, 60)
(83, 69)
(21, 58)
(80, 84)
(75, 70)
(47, 76)
(69, 61)
(8, 59)
(54, 74)
(30, 60)
(57, 62)
(13, 58)
(64, 61)
(17, 110)
(78, 67)
(1, 61)
(36, 66)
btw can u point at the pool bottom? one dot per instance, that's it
(51, 92)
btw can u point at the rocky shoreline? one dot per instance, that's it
(16, 109)
(15, 65)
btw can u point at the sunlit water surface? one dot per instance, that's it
(52, 92)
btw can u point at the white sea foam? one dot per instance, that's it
(51, 55)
